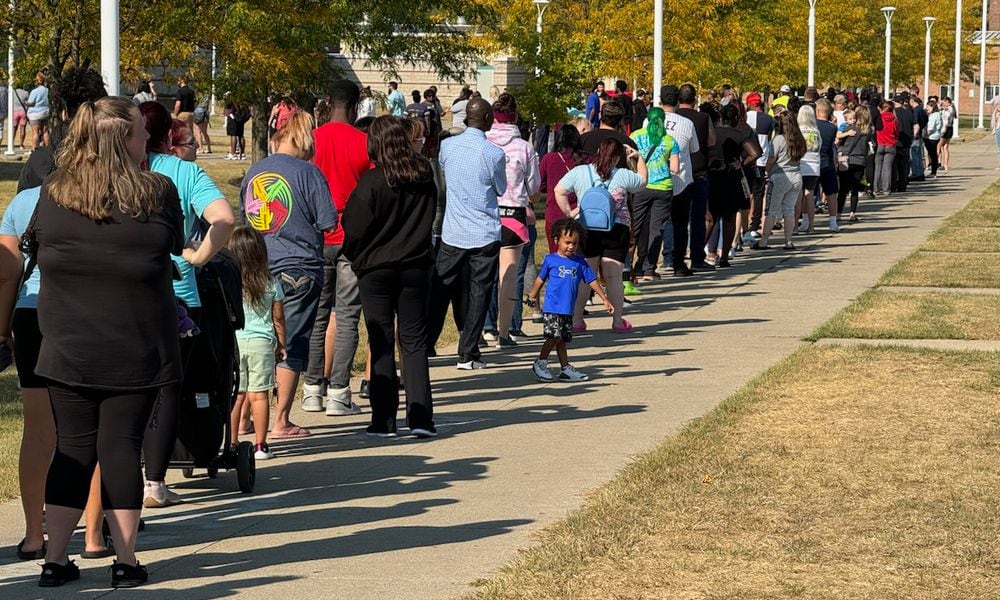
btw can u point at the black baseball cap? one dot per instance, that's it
(669, 95)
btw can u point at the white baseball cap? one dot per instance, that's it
(785, 88)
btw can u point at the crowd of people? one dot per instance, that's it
(391, 220)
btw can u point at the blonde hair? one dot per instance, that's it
(297, 132)
(95, 170)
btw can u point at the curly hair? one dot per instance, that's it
(567, 226)
(390, 149)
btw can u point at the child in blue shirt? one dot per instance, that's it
(563, 271)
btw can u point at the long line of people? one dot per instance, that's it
(387, 219)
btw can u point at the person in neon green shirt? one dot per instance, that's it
(651, 207)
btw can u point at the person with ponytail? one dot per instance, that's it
(651, 205)
(104, 232)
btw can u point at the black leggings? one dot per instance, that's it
(158, 445)
(850, 181)
(932, 154)
(91, 426)
(389, 296)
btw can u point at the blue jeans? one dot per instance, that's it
(699, 206)
(526, 271)
(917, 157)
(300, 305)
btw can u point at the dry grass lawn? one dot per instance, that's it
(10, 434)
(944, 270)
(902, 315)
(964, 239)
(839, 473)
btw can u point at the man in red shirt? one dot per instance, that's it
(342, 156)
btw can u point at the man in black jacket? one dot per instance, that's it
(904, 139)
(917, 149)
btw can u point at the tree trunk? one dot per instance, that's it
(260, 111)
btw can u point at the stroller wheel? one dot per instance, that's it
(187, 473)
(246, 467)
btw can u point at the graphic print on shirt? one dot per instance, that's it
(565, 272)
(268, 202)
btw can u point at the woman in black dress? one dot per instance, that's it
(387, 229)
(732, 152)
(104, 232)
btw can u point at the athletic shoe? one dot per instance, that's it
(569, 373)
(506, 342)
(625, 327)
(541, 370)
(55, 575)
(517, 335)
(159, 496)
(312, 398)
(471, 365)
(683, 272)
(537, 318)
(230, 156)
(127, 576)
(703, 266)
(631, 290)
(365, 392)
(491, 335)
(263, 452)
(371, 431)
(732, 254)
(424, 432)
(339, 403)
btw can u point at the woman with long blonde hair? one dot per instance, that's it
(103, 234)
(286, 198)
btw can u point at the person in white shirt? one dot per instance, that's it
(675, 238)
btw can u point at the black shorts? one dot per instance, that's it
(557, 327)
(608, 244)
(828, 179)
(810, 183)
(947, 133)
(28, 339)
(513, 227)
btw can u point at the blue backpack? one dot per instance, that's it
(597, 207)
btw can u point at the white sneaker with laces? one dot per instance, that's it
(157, 495)
(491, 335)
(263, 452)
(312, 398)
(339, 403)
(541, 370)
(471, 365)
(569, 373)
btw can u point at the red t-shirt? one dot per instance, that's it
(342, 156)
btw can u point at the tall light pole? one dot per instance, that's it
(540, 5)
(887, 12)
(211, 100)
(982, 66)
(10, 84)
(657, 50)
(812, 43)
(928, 22)
(958, 66)
(110, 63)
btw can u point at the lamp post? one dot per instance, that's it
(887, 12)
(812, 43)
(982, 65)
(657, 50)
(110, 63)
(540, 5)
(958, 66)
(928, 22)
(211, 100)
(10, 85)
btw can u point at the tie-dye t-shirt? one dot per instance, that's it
(288, 201)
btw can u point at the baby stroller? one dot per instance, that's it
(211, 380)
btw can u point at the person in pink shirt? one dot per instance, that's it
(516, 212)
(554, 166)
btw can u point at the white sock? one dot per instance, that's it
(833, 222)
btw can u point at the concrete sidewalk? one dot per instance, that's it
(342, 516)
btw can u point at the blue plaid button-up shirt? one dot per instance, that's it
(475, 173)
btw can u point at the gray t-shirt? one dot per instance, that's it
(288, 201)
(783, 157)
(458, 114)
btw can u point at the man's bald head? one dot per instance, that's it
(479, 114)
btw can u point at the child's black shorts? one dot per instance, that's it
(558, 327)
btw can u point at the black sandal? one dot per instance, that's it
(108, 550)
(23, 554)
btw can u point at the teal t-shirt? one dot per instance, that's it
(15, 223)
(196, 191)
(260, 324)
(658, 164)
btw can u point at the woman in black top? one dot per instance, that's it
(105, 231)
(387, 238)
(733, 150)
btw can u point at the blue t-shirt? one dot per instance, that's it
(196, 191)
(563, 275)
(260, 324)
(594, 102)
(40, 96)
(15, 223)
(288, 201)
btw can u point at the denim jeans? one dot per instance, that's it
(917, 157)
(475, 269)
(300, 304)
(699, 206)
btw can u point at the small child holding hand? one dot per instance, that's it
(563, 270)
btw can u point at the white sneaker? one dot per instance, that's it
(491, 335)
(541, 370)
(312, 398)
(230, 156)
(569, 373)
(156, 495)
(263, 452)
(339, 403)
(834, 227)
(471, 365)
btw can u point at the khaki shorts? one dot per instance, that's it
(256, 365)
(187, 117)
